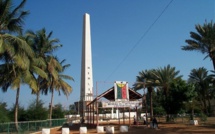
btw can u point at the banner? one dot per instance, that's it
(121, 91)
(117, 104)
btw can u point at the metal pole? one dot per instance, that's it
(145, 104)
(97, 123)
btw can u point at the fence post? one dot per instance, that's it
(8, 127)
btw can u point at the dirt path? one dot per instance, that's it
(165, 128)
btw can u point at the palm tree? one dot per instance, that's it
(145, 79)
(62, 85)
(203, 41)
(14, 52)
(43, 46)
(13, 76)
(56, 80)
(164, 78)
(200, 78)
(11, 20)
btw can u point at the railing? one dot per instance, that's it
(29, 126)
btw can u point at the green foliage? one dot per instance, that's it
(33, 112)
(3, 113)
(36, 111)
(202, 40)
(179, 93)
(21, 116)
(203, 117)
(203, 86)
(58, 111)
(159, 110)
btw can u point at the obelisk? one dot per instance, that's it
(86, 93)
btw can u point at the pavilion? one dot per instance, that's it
(110, 95)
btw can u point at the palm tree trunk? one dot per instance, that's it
(205, 106)
(150, 89)
(209, 106)
(50, 106)
(38, 91)
(50, 112)
(151, 106)
(192, 117)
(16, 109)
(38, 98)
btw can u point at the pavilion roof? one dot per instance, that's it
(109, 95)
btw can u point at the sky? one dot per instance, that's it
(127, 36)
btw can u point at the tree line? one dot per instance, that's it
(174, 95)
(33, 112)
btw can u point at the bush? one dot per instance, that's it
(36, 111)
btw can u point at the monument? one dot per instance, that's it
(86, 91)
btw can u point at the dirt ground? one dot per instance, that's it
(164, 128)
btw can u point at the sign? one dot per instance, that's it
(121, 91)
(116, 104)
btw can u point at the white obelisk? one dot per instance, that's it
(86, 94)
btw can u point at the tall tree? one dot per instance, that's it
(164, 78)
(19, 68)
(43, 46)
(202, 81)
(14, 52)
(12, 76)
(56, 81)
(203, 40)
(146, 80)
(179, 93)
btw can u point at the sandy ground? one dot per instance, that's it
(164, 128)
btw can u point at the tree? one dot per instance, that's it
(19, 68)
(61, 85)
(37, 111)
(145, 79)
(202, 81)
(58, 111)
(4, 113)
(56, 81)
(179, 93)
(203, 41)
(43, 47)
(22, 116)
(13, 76)
(11, 20)
(164, 77)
